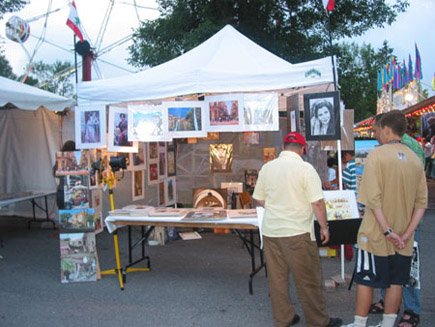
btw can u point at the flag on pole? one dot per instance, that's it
(329, 5)
(410, 73)
(418, 71)
(433, 82)
(74, 22)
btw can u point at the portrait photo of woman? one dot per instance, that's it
(322, 116)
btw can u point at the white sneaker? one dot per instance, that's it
(378, 325)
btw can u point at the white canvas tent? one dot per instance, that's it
(29, 139)
(227, 62)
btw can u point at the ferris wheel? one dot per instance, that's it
(20, 29)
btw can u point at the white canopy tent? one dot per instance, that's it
(29, 139)
(227, 62)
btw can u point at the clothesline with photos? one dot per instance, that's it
(236, 112)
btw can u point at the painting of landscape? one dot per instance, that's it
(185, 119)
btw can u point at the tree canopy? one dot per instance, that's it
(295, 30)
(7, 6)
(55, 78)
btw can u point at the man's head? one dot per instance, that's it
(376, 128)
(295, 142)
(392, 126)
(347, 155)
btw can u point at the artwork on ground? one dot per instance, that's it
(78, 262)
(76, 220)
(90, 127)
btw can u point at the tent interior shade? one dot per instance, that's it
(26, 97)
(226, 62)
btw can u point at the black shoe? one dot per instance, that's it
(335, 322)
(295, 320)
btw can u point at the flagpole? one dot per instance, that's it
(332, 54)
(75, 60)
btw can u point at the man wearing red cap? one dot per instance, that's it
(291, 191)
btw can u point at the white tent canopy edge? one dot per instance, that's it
(226, 62)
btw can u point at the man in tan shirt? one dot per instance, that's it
(291, 192)
(394, 191)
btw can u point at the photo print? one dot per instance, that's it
(186, 119)
(90, 127)
(260, 112)
(153, 173)
(170, 191)
(322, 116)
(147, 123)
(76, 220)
(76, 192)
(73, 163)
(224, 112)
(138, 185)
(172, 170)
(118, 131)
(137, 160)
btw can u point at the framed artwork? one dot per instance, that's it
(90, 127)
(260, 112)
(78, 261)
(232, 188)
(269, 154)
(137, 160)
(322, 116)
(76, 220)
(118, 131)
(224, 112)
(293, 114)
(170, 191)
(162, 164)
(251, 138)
(97, 206)
(147, 123)
(73, 163)
(153, 173)
(161, 194)
(251, 176)
(172, 164)
(221, 157)
(137, 184)
(341, 205)
(76, 192)
(186, 118)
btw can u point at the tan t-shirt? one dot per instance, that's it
(393, 180)
(288, 185)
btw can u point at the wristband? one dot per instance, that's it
(388, 232)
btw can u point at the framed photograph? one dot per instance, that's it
(224, 112)
(269, 154)
(76, 192)
(90, 127)
(341, 205)
(137, 160)
(170, 191)
(221, 157)
(322, 116)
(118, 131)
(137, 184)
(172, 164)
(153, 173)
(162, 163)
(73, 163)
(76, 220)
(232, 188)
(147, 123)
(293, 114)
(97, 206)
(260, 112)
(161, 194)
(186, 118)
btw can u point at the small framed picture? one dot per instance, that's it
(224, 112)
(137, 160)
(170, 191)
(171, 158)
(161, 195)
(90, 127)
(186, 118)
(138, 185)
(118, 131)
(322, 116)
(153, 173)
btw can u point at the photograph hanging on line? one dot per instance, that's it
(90, 127)
(138, 185)
(260, 112)
(78, 262)
(118, 131)
(224, 112)
(322, 116)
(147, 123)
(186, 118)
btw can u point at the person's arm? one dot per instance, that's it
(320, 212)
(383, 224)
(417, 215)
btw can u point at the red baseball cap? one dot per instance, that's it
(295, 137)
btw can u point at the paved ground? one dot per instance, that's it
(192, 283)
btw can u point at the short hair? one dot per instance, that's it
(331, 161)
(122, 115)
(292, 146)
(69, 146)
(344, 152)
(396, 120)
(377, 119)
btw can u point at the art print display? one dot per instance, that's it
(250, 138)
(161, 194)
(78, 261)
(90, 127)
(72, 163)
(251, 176)
(170, 191)
(162, 164)
(269, 154)
(138, 185)
(224, 112)
(362, 149)
(231, 189)
(186, 118)
(221, 157)
(76, 220)
(137, 160)
(97, 206)
(76, 191)
(172, 166)
(260, 112)
(341, 205)
(293, 114)
(153, 173)
(147, 123)
(118, 131)
(322, 116)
